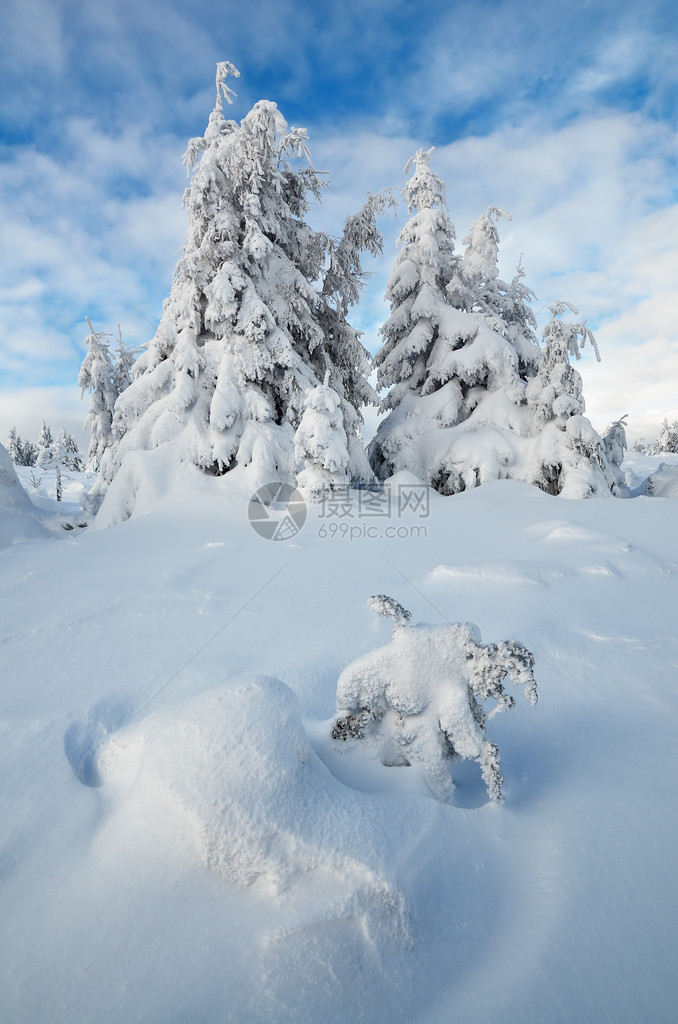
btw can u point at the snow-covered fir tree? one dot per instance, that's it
(472, 398)
(28, 451)
(507, 306)
(15, 447)
(568, 456)
(320, 446)
(68, 454)
(420, 312)
(45, 438)
(247, 328)
(97, 377)
(44, 457)
(63, 450)
(457, 351)
(668, 438)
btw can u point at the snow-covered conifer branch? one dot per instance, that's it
(572, 337)
(224, 69)
(389, 608)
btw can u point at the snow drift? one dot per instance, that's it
(234, 769)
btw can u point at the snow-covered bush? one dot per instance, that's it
(421, 699)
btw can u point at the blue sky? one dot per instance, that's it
(565, 115)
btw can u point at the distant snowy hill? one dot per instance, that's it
(182, 839)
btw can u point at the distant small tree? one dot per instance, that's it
(29, 452)
(45, 438)
(57, 482)
(14, 448)
(45, 452)
(69, 453)
(422, 698)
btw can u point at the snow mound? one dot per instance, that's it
(149, 480)
(235, 771)
(663, 483)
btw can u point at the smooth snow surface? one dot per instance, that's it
(182, 840)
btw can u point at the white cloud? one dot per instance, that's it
(93, 234)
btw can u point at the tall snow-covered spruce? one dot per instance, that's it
(256, 316)
(455, 365)
(471, 397)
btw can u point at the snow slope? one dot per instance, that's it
(182, 841)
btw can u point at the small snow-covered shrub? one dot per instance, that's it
(422, 699)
